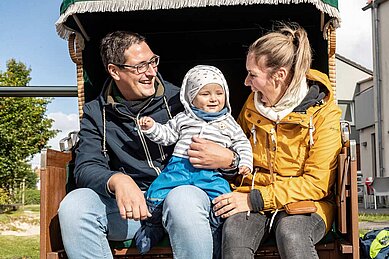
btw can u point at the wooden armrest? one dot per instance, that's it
(353, 207)
(53, 189)
(347, 200)
(343, 181)
(56, 255)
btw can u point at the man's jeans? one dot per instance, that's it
(89, 220)
(296, 235)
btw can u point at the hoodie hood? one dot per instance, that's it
(195, 79)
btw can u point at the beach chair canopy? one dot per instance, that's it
(190, 32)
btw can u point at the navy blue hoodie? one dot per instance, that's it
(127, 149)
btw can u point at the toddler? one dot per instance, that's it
(204, 94)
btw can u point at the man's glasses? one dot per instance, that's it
(143, 66)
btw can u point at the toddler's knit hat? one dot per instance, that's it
(199, 76)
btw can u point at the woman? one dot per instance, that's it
(293, 126)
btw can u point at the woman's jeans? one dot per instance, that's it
(89, 220)
(295, 235)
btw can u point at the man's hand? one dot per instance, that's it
(209, 155)
(130, 199)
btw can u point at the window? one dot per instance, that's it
(347, 108)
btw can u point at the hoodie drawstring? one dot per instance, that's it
(272, 219)
(270, 164)
(167, 107)
(104, 144)
(104, 150)
(274, 143)
(252, 187)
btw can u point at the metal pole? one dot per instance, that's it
(377, 71)
(23, 191)
(38, 91)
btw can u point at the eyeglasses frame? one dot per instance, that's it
(148, 63)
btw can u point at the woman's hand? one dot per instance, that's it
(209, 155)
(229, 204)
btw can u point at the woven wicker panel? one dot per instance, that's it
(75, 52)
(331, 32)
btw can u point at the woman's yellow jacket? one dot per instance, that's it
(304, 160)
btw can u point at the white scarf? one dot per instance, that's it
(290, 100)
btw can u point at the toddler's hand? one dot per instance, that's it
(146, 123)
(244, 170)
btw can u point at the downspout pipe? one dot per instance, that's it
(374, 5)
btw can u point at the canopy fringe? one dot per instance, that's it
(131, 5)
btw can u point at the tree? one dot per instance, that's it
(24, 128)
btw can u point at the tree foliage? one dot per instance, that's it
(24, 128)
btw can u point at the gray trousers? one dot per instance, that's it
(295, 235)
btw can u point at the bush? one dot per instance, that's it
(4, 198)
(32, 196)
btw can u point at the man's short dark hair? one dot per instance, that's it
(114, 44)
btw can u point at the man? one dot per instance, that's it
(115, 162)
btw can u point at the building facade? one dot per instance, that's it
(348, 76)
(372, 103)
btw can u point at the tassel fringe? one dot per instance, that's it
(136, 5)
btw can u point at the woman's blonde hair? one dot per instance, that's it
(287, 47)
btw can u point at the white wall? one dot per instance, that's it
(347, 77)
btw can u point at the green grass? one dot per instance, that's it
(33, 208)
(19, 247)
(371, 218)
(374, 217)
(14, 247)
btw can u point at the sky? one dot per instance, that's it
(28, 35)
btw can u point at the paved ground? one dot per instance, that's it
(380, 210)
(28, 225)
